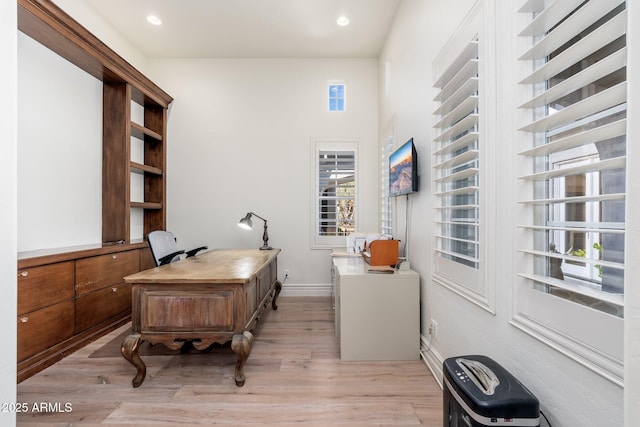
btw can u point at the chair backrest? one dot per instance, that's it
(162, 243)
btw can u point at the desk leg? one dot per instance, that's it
(129, 351)
(241, 344)
(278, 288)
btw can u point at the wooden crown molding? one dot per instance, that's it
(46, 23)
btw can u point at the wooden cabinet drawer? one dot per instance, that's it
(96, 307)
(105, 270)
(41, 329)
(42, 286)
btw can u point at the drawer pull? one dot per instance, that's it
(24, 319)
(114, 256)
(114, 289)
(24, 273)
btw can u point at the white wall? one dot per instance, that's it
(8, 179)
(60, 151)
(239, 140)
(570, 394)
(83, 13)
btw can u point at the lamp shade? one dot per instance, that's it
(246, 222)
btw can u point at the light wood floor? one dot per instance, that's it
(294, 376)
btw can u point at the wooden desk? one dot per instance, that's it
(215, 297)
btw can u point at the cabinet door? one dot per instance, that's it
(105, 270)
(42, 286)
(101, 305)
(44, 328)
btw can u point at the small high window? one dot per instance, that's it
(337, 97)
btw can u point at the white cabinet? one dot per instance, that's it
(377, 316)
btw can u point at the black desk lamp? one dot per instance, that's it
(247, 224)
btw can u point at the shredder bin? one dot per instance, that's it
(477, 391)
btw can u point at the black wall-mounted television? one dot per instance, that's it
(403, 170)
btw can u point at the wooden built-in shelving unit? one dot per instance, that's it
(84, 293)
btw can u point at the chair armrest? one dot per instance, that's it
(192, 252)
(167, 258)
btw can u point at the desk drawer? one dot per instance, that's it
(41, 329)
(96, 307)
(175, 310)
(105, 270)
(42, 286)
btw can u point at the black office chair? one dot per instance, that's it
(165, 248)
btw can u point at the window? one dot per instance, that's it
(573, 246)
(337, 97)
(334, 191)
(386, 205)
(457, 163)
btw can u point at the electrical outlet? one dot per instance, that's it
(433, 328)
(286, 272)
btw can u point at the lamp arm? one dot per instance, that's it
(265, 221)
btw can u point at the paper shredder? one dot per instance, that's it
(477, 391)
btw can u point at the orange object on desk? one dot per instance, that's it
(382, 252)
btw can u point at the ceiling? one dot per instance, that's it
(252, 28)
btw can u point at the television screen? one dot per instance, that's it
(403, 170)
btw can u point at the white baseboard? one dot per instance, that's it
(306, 290)
(431, 358)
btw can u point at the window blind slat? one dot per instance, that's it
(467, 173)
(575, 199)
(467, 54)
(605, 34)
(466, 90)
(598, 70)
(616, 299)
(457, 255)
(531, 6)
(569, 28)
(449, 207)
(619, 230)
(468, 72)
(463, 109)
(549, 17)
(608, 164)
(467, 124)
(601, 133)
(459, 143)
(456, 239)
(457, 191)
(461, 159)
(606, 99)
(590, 261)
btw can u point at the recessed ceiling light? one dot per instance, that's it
(342, 21)
(154, 20)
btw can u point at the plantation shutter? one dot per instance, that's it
(386, 210)
(336, 192)
(456, 159)
(577, 150)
